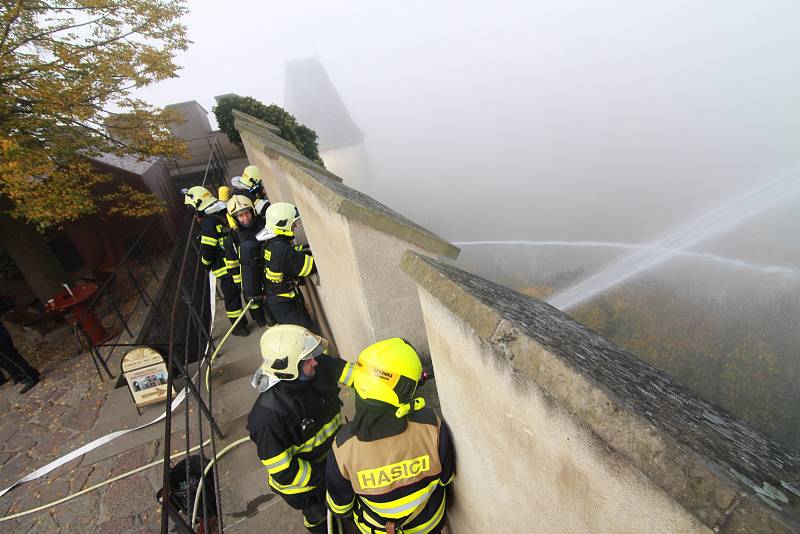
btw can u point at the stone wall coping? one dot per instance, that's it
(359, 207)
(730, 475)
(274, 145)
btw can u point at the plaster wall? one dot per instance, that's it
(524, 463)
(339, 281)
(389, 294)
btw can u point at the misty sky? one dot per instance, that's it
(537, 120)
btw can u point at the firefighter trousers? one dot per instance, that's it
(233, 299)
(291, 310)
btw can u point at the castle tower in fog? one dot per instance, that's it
(311, 97)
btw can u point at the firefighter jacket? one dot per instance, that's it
(212, 244)
(232, 246)
(396, 480)
(293, 424)
(284, 263)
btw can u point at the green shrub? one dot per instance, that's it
(304, 138)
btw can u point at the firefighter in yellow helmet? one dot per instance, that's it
(296, 416)
(243, 253)
(389, 466)
(213, 239)
(250, 185)
(285, 264)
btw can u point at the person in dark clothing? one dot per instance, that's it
(296, 415)
(284, 265)
(14, 364)
(247, 230)
(389, 466)
(213, 238)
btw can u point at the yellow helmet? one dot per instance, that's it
(198, 197)
(224, 193)
(388, 371)
(280, 218)
(251, 177)
(284, 346)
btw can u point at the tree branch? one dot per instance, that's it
(52, 31)
(11, 21)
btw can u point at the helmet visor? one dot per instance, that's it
(314, 346)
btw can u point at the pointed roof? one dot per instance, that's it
(311, 97)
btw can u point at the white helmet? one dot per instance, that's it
(280, 218)
(283, 347)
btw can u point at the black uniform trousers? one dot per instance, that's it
(288, 310)
(233, 298)
(12, 361)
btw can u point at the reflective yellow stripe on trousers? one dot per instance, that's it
(424, 528)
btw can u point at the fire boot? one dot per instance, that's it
(259, 316)
(241, 330)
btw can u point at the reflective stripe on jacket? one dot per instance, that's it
(293, 425)
(212, 245)
(284, 262)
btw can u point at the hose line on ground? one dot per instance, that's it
(98, 485)
(207, 469)
(224, 339)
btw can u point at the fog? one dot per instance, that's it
(574, 121)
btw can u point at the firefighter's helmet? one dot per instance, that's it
(198, 197)
(251, 178)
(239, 203)
(280, 218)
(284, 346)
(388, 371)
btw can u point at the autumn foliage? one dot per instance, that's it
(67, 72)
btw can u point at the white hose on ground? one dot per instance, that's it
(99, 485)
(224, 339)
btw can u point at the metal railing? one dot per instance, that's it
(190, 314)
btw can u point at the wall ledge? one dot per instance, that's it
(731, 476)
(271, 143)
(362, 208)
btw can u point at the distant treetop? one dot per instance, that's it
(304, 138)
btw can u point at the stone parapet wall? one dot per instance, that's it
(559, 428)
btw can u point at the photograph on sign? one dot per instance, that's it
(146, 374)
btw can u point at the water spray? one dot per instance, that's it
(715, 222)
(789, 272)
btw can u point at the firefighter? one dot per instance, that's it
(246, 227)
(296, 416)
(389, 466)
(210, 211)
(285, 264)
(250, 185)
